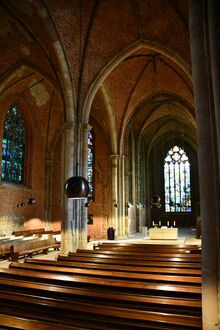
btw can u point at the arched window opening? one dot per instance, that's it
(90, 171)
(177, 181)
(13, 147)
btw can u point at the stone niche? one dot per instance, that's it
(8, 224)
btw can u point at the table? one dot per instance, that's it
(163, 233)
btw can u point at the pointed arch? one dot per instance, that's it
(119, 58)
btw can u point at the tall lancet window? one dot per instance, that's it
(13, 147)
(90, 173)
(177, 181)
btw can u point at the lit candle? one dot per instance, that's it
(174, 223)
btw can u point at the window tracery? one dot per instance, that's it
(90, 170)
(13, 147)
(177, 181)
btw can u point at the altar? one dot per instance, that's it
(163, 233)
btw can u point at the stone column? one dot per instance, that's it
(68, 224)
(207, 159)
(113, 221)
(213, 11)
(121, 228)
(82, 210)
(48, 195)
(213, 17)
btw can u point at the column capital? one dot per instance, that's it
(85, 127)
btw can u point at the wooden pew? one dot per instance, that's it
(138, 269)
(102, 274)
(5, 250)
(25, 323)
(104, 298)
(6, 246)
(175, 248)
(172, 262)
(139, 254)
(28, 248)
(28, 232)
(160, 303)
(139, 318)
(128, 295)
(183, 290)
(193, 258)
(70, 313)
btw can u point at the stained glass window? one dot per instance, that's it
(13, 147)
(177, 181)
(90, 172)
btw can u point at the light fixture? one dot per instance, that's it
(89, 201)
(31, 201)
(20, 204)
(155, 199)
(77, 187)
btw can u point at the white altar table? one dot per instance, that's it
(163, 233)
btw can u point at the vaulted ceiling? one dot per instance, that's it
(124, 63)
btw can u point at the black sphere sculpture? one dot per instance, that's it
(76, 187)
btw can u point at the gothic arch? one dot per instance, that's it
(120, 57)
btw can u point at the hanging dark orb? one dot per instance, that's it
(76, 187)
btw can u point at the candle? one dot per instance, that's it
(159, 223)
(174, 223)
(168, 223)
(153, 223)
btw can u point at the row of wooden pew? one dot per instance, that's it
(115, 286)
(28, 242)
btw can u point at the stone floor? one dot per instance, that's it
(185, 236)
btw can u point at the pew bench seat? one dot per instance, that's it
(107, 284)
(5, 251)
(102, 274)
(171, 262)
(133, 268)
(28, 248)
(111, 317)
(162, 303)
(171, 248)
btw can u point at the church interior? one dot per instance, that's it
(124, 96)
